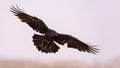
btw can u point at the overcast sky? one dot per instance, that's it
(91, 21)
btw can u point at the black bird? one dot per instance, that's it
(46, 41)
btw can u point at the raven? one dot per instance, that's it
(46, 41)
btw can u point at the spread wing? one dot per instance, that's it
(32, 21)
(73, 42)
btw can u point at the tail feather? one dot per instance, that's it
(44, 45)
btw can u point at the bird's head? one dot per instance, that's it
(51, 33)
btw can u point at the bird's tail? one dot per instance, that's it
(44, 45)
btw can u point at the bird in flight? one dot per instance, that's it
(47, 39)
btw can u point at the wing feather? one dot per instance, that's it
(73, 42)
(32, 21)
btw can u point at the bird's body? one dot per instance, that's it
(46, 41)
(51, 33)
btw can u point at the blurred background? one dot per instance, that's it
(93, 22)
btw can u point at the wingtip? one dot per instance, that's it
(94, 50)
(16, 9)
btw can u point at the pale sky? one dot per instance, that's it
(91, 21)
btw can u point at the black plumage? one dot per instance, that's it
(46, 41)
